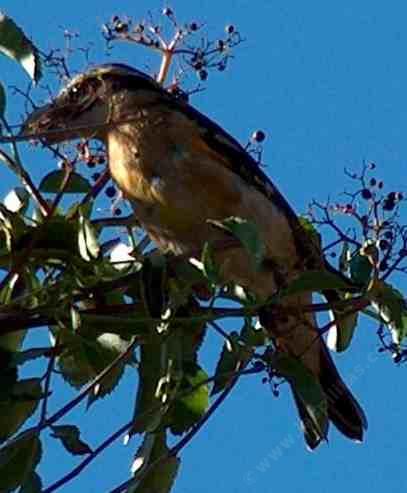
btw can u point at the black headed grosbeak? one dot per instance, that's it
(180, 169)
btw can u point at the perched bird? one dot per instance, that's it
(180, 169)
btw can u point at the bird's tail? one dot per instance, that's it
(297, 336)
(343, 409)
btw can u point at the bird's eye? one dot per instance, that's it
(75, 92)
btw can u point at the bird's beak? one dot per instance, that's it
(64, 120)
(47, 123)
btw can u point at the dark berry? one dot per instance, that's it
(96, 176)
(372, 182)
(203, 74)
(388, 235)
(110, 191)
(333, 255)
(388, 205)
(101, 160)
(391, 196)
(90, 163)
(258, 136)
(198, 66)
(121, 27)
(230, 29)
(384, 245)
(371, 166)
(117, 211)
(403, 252)
(366, 194)
(399, 196)
(168, 12)
(193, 26)
(380, 185)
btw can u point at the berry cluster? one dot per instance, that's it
(374, 221)
(210, 54)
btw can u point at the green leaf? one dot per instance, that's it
(315, 281)
(159, 478)
(189, 409)
(85, 358)
(88, 244)
(3, 100)
(234, 354)
(15, 44)
(11, 341)
(389, 303)
(70, 438)
(21, 357)
(150, 401)
(19, 459)
(340, 336)
(33, 484)
(247, 233)
(344, 258)
(17, 200)
(52, 183)
(311, 230)
(360, 269)
(210, 269)
(19, 405)
(307, 388)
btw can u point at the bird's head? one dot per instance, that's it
(89, 104)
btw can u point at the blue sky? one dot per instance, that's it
(326, 81)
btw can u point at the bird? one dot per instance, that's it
(183, 173)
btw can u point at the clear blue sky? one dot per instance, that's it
(327, 82)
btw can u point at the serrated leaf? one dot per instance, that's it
(32, 485)
(315, 281)
(19, 459)
(52, 183)
(307, 388)
(85, 358)
(15, 44)
(3, 100)
(70, 438)
(161, 477)
(360, 269)
(189, 409)
(19, 405)
(247, 233)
